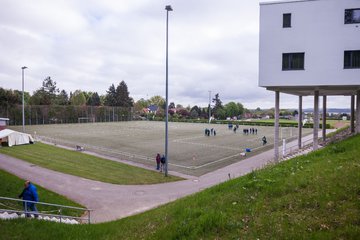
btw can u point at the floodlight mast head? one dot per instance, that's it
(24, 67)
(168, 8)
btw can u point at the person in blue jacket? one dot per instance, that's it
(29, 193)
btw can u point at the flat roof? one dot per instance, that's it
(285, 1)
(4, 119)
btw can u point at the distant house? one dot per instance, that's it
(3, 123)
(153, 109)
(247, 115)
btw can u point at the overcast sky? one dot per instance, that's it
(88, 45)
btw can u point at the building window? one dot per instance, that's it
(287, 20)
(352, 15)
(352, 59)
(293, 61)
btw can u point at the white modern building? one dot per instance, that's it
(311, 48)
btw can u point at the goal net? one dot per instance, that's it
(86, 120)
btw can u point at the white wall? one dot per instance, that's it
(318, 29)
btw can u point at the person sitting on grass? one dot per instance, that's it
(30, 194)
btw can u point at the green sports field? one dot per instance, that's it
(190, 151)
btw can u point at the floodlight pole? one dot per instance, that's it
(167, 8)
(23, 104)
(209, 107)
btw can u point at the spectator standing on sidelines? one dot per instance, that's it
(162, 161)
(158, 158)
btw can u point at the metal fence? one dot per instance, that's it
(294, 149)
(50, 114)
(57, 213)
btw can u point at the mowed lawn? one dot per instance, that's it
(309, 197)
(84, 165)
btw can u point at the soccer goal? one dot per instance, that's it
(86, 120)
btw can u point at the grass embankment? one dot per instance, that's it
(310, 197)
(85, 165)
(12, 186)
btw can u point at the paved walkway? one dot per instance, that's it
(111, 201)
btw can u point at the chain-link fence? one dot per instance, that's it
(50, 114)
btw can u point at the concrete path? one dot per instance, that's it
(111, 201)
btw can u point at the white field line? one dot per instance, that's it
(210, 145)
(146, 158)
(53, 140)
(216, 161)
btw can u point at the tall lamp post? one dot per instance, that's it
(209, 107)
(23, 104)
(167, 8)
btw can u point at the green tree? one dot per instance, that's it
(122, 95)
(218, 111)
(157, 100)
(221, 114)
(233, 109)
(78, 98)
(141, 104)
(110, 99)
(10, 97)
(194, 113)
(94, 100)
(46, 95)
(62, 98)
(195, 109)
(204, 113)
(171, 105)
(118, 96)
(241, 109)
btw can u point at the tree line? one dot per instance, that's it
(49, 104)
(49, 94)
(178, 111)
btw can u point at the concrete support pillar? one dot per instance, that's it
(316, 121)
(276, 124)
(357, 111)
(300, 124)
(352, 116)
(324, 119)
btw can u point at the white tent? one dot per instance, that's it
(15, 138)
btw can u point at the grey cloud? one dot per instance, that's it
(213, 45)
